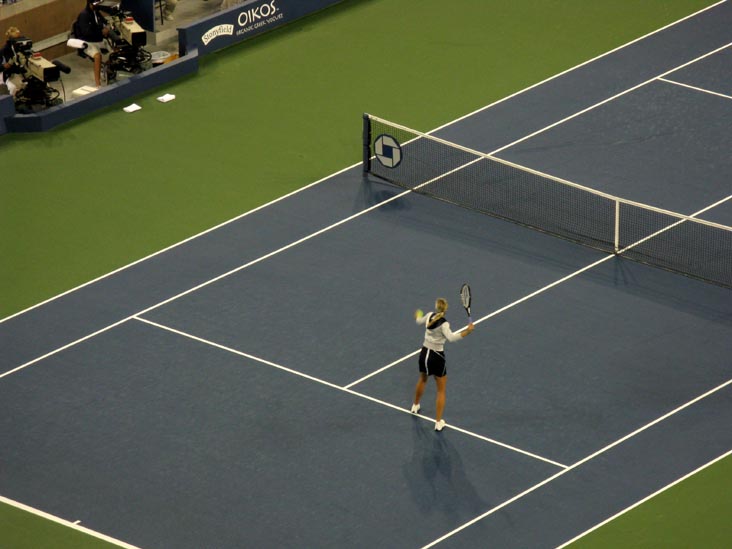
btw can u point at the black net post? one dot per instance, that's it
(366, 143)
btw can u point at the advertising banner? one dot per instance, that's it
(244, 21)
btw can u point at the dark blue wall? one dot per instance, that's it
(7, 109)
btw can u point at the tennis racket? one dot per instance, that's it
(465, 300)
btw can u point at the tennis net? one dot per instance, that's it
(481, 182)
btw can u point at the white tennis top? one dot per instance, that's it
(435, 338)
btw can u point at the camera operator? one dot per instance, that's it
(11, 76)
(90, 27)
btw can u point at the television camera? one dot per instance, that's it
(126, 38)
(36, 72)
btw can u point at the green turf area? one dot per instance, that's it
(694, 513)
(23, 530)
(267, 117)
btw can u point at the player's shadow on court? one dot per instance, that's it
(436, 477)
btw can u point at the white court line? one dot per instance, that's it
(636, 504)
(204, 284)
(63, 522)
(59, 349)
(339, 388)
(581, 462)
(383, 369)
(282, 198)
(481, 109)
(494, 313)
(660, 77)
(235, 270)
(455, 121)
(220, 225)
(608, 100)
(695, 88)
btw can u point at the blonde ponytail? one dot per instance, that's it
(440, 308)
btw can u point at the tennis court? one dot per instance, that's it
(251, 386)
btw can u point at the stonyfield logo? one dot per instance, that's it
(221, 30)
(258, 17)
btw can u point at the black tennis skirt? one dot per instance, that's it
(432, 362)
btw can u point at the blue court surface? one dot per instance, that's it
(250, 387)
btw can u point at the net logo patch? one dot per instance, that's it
(388, 151)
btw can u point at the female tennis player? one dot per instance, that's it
(432, 355)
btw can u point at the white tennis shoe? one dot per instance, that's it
(415, 408)
(440, 425)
